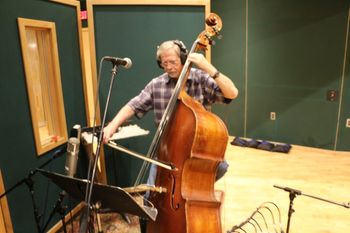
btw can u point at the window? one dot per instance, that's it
(41, 64)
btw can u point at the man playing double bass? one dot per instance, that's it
(205, 84)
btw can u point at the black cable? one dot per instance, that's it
(46, 197)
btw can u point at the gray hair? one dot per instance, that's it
(166, 45)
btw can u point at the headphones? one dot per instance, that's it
(183, 53)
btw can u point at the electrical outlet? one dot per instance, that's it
(348, 123)
(332, 95)
(272, 116)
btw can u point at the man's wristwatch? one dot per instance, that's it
(217, 73)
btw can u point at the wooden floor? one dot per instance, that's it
(321, 173)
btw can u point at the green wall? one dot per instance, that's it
(18, 156)
(284, 56)
(135, 32)
(228, 55)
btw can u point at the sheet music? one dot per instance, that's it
(128, 132)
(123, 132)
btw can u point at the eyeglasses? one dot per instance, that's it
(172, 63)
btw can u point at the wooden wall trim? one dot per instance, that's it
(152, 2)
(68, 2)
(85, 78)
(5, 218)
(82, 53)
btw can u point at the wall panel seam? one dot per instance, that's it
(342, 81)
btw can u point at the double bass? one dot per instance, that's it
(194, 140)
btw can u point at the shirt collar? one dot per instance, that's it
(168, 79)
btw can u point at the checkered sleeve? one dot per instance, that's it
(143, 102)
(212, 92)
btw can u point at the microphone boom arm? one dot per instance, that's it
(298, 192)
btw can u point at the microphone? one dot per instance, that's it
(73, 151)
(287, 189)
(72, 156)
(125, 62)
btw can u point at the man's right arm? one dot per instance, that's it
(123, 115)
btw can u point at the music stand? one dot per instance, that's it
(111, 197)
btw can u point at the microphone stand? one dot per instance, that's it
(59, 208)
(89, 187)
(292, 195)
(30, 183)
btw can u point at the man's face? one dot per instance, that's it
(171, 63)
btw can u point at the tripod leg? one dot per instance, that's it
(291, 210)
(64, 225)
(97, 207)
(99, 225)
(84, 220)
(62, 214)
(29, 182)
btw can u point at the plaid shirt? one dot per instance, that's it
(158, 91)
